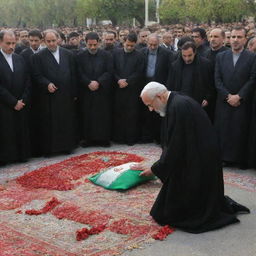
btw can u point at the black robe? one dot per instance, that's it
(190, 168)
(127, 66)
(14, 131)
(232, 123)
(202, 79)
(95, 106)
(55, 111)
(34, 125)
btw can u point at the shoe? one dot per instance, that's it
(236, 207)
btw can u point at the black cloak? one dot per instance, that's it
(192, 196)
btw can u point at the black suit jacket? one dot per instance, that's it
(163, 62)
(13, 85)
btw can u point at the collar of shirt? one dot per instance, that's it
(36, 51)
(8, 58)
(6, 55)
(56, 54)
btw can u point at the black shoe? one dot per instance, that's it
(236, 207)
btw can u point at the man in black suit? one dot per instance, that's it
(192, 75)
(235, 75)
(200, 38)
(14, 101)
(54, 74)
(157, 64)
(35, 39)
(23, 44)
(95, 70)
(128, 70)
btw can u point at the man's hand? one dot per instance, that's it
(93, 85)
(146, 171)
(204, 103)
(52, 88)
(234, 100)
(20, 105)
(122, 83)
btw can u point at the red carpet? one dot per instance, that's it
(46, 211)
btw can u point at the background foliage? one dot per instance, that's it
(45, 13)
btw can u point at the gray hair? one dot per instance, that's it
(47, 31)
(6, 32)
(152, 89)
(251, 41)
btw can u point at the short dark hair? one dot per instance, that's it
(201, 31)
(72, 34)
(111, 32)
(239, 28)
(36, 33)
(184, 40)
(188, 45)
(132, 37)
(92, 36)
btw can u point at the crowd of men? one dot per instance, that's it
(59, 91)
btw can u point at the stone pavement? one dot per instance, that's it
(234, 240)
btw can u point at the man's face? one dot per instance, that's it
(24, 36)
(8, 44)
(92, 46)
(252, 47)
(154, 104)
(129, 46)
(109, 40)
(153, 44)
(122, 35)
(51, 41)
(188, 55)
(144, 36)
(216, 39)
(168, 39)
(179, 33)
(34, 42)
(74, 41)
(197, 38)
(237, 40)
(227, 38)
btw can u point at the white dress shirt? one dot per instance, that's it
(56, 55)
(8, 58)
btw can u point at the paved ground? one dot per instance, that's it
(234, 240)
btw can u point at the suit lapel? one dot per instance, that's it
(52, 58)
(240, 60)
(5, 63)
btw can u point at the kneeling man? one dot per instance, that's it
(190, 167)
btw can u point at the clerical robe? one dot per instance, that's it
(192, 196)
(56, 111)
(127, 66)
(95, 106)
(14, 131)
